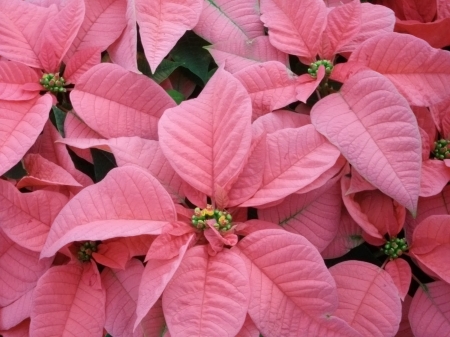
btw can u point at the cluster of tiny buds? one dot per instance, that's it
(85, 251)
(395, 247)
(222, 219)
(313, 67)
(53, 82)
(442, 149)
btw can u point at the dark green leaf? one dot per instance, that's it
(60, 117)
(177, 96)
(164, 70)
(16, 172)
(103, 163)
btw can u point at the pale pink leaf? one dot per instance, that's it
(162, 23)
(302, 291)
(418, 71)
(65, 304)
(368, 298)
(280, 119)
(405, 328)
(360, 120)
(121, 288)
(13, 77)
(154, 324)
(314, 215)
(80, 62)
(235, 55)
(306, 84)
(208, 295)
(294, 159)
(115, 102)
(441, 116)
(207, 139)
(292, 29)
(21, 123)
(357, 184)
(109, 209)
(249, 328)
(223, 20)
(103, 23)
(112, 253)
(429, 313)
(16, 312)
(21, 270)
(26, 217)
(400, 271)
(434, 176)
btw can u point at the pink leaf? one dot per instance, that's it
(294, 159)
(20, 330)
(360, 121)
(13, 77)
(208, 295)
(292, 29)
(16, 312)
(109, 209)
(235, 55)
(80, 62)
(121, 288)
(115, 102)
(112, 253)
(162, 23)
(368, 299)
(400, 271)
(207, 139)
(223, 20)
(306, 84)
(21, 270)
(429, 314)
(405, 328)
(280, 119)
(26, 217)
(103, 23)
(302, 291)
(65, 304)
(154, 324)
(249, 329)
(434, 176)
(21, 124)
(418, 71)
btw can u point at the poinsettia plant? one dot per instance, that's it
(224, 168)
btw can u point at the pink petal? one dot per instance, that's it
(249, 329)
(368, 299)
(162, 23)
(435, 176)
(207, 139)
(21, 123)
(113, 254)
(400, 271)
(225, 20)
(121, 288)
(280, 119)
(80, 62)
(115, 102)
(360, 120)
(103, 23)
(26, 217)
(429, 314)
(207, 295)
(410, 63)
(294, 159)
(13, 77)
(235, 55)
(109, 209)
(440, 115)
(306, 85)
(428, 31)
(14, 313)
(443, 9)
(65, 304)
(292, 29)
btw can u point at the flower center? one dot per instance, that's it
(395, 247)
(53, 82)
(441, 149)
(222, 219)
(85, 251)
(312, 70)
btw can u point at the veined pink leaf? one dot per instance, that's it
(207, 139)
(121, 288)
(278, 120)
(302, 292)
(360, 120)
(270, 86)
(157, 273)
(208, 295)
(223, 20)
(434, 176)
(13, 76)
(162, 23)
(235, 55)
(112, 253)
(21, 24)
(109, 209)
(428, 31)
(115, 102)
(292, 29)
(80, 62)
(405, 328)
(42, 172)
(103, 23)
(357, 184)
(429, 314)
(440, 115)
(249, 328)
(294, 159)
(64, 303)
(400, 271)
(306, 84)
(314, 215)
(21, 123)
(154, 324)
(443, 9)
(14, 313)
(431, 244)
(418, 71)
(26, 217)
(368, 299)
(20, 330)
(21, 270)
